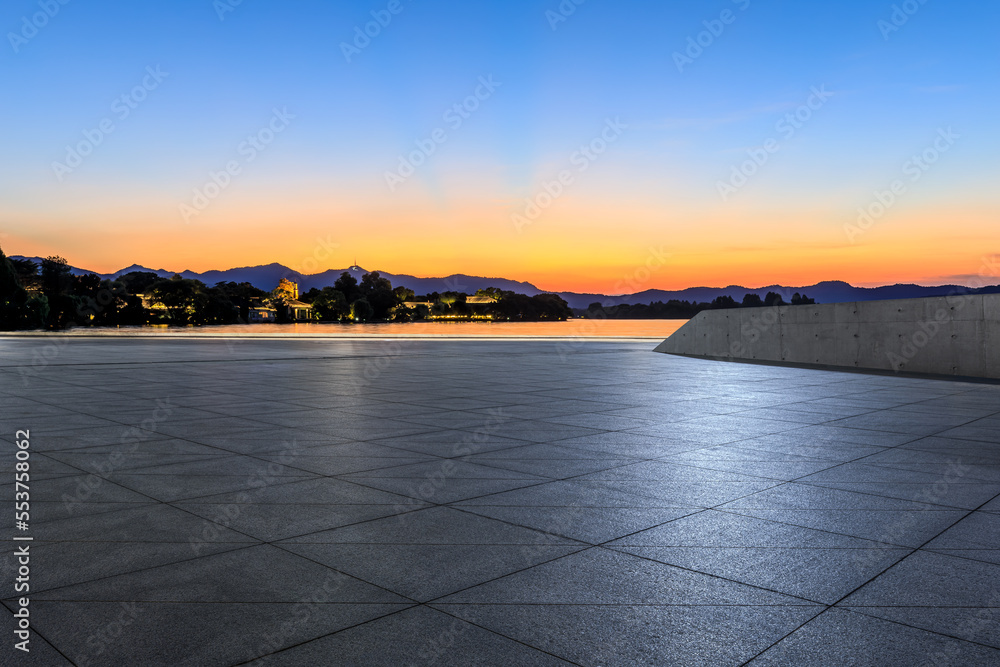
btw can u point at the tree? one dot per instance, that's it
(516, 307)
(377, 291)
(361, 310)
(773, 299)
(347, 285)
(551, 307)
(242, 295)
(27, 272)
(454, 303)
(98, 302)
(438, 309)
(373, 281)
(185, 300)
(673, 309)
(217, 308)
(330, 304)
(134, 312)
(56, 275)
(56, 283)
(801, 300)
(13, 297)
(36, 312)
(138, 282)
(751, 300)
(404, 294)
(724, 302)
(494, 292)
(286, 290)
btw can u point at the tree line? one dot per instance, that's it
(375, 299)
(47, 295)
(685, 310)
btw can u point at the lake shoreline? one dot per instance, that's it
(572, 329)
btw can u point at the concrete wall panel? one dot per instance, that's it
(958, 335)
(992, 353)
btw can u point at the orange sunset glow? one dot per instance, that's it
(538, 159)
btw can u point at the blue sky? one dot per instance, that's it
(559, 83)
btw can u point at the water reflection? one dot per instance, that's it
(572, 328)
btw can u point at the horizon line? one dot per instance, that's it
(525, 282)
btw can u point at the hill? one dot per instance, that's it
(266, 277)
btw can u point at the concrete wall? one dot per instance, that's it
(956, 335)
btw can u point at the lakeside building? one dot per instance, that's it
(287, 299)
(475, 304)
(297, 311)
(262, 313)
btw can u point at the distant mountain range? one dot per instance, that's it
(266, 277)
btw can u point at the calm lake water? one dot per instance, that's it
(573, 328)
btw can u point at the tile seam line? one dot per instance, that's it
(44, 638)
(836, 605)
(400, 611)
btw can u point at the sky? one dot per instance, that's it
(602, 146)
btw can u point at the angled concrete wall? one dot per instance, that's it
(955, 335)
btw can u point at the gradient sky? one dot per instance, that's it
(646, 213)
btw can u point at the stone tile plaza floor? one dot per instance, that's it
(309, 502)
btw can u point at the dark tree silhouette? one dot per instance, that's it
(773, 299)
(137, 282)
(724, 302)
(13, 297)
(56, 283)
(330, 304)
(347, 285)
(362, 310)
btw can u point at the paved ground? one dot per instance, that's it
(494, 503)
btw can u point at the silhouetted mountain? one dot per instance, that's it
(163, 273)
(38, 260)
(266, 277)
(831, 291)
